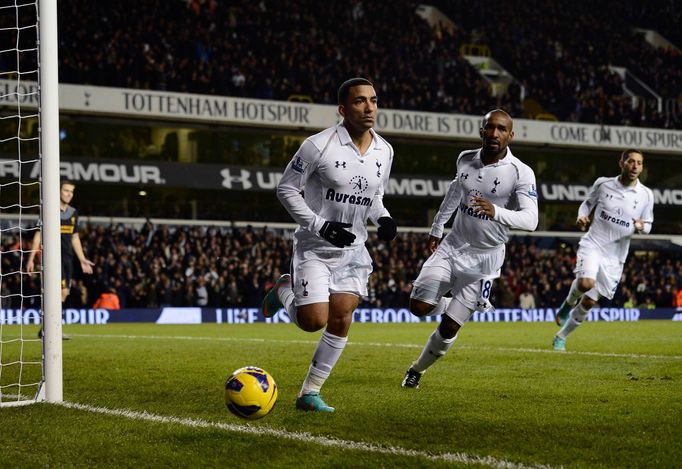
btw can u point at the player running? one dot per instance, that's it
(492, 193)
(617, 207)
(331, 187)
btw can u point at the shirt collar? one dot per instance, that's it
(506, 160)
(634, 188)
(344, 136)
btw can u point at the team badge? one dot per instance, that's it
(497, 183)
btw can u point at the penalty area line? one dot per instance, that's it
(327, 441)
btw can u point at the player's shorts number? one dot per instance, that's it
(486, 286)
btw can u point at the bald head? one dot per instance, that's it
(502, 114)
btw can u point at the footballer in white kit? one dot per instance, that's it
(615, 209)
(333, 185)
(348, 188)
(492, 193)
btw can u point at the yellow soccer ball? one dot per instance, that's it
(250, 393)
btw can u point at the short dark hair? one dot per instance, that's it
(345, 87)
(66, 181)
(628, 152)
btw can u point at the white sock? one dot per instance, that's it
(326, 355)
(435, 348)
(576, 318)
(574, 293)
(286, 296)
(440, 307)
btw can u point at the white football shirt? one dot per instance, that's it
(508, 184)
(616, 207)
(329, 180)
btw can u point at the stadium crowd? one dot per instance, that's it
(570, 74)
(273, 50)
(156, 266)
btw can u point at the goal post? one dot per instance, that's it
(30, 367)
(50, 210)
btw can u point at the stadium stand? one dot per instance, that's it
(275, 50)
(564, 54)
(156, 266)
(269, 50)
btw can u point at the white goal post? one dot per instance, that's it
(30, 368)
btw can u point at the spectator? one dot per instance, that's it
(526, 300)
(677, 301)
(201, 292)
(648, 303)
(108, 300)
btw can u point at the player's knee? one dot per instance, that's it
(448, 328)
(585, 284)
(587, 302)
(419, 308)
(311, 324)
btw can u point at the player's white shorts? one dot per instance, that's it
(591, 263)
(466, 272)
(316, 274)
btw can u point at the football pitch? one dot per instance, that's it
(144, 395)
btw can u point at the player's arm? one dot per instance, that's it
(30, 263)
(291, 186)
(526, 217)
(290, 194)
(446, 209)
(86, 264)
(588, 205)
(433, 243)
(378, 213)
(643, 225)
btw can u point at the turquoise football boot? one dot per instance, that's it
(312, 402)
(271, 303)
(562, 314)
(559, 344)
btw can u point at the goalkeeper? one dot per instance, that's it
(332, 186)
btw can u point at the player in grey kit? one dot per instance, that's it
(332, 186)
(617, 207)
(492, 193)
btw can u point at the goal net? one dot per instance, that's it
(26, 119)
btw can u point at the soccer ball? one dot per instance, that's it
(250, 393)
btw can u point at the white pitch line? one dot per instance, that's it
(307, 438)
(381, 344)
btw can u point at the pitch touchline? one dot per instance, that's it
(380, 344)
(305, 437)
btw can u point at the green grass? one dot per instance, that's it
(613, 400)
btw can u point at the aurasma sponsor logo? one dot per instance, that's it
(470, 211)
(617, 221)
(347, 198)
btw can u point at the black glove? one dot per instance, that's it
(335, 233)
(387, 229)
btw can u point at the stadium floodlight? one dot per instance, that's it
(30, 368)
